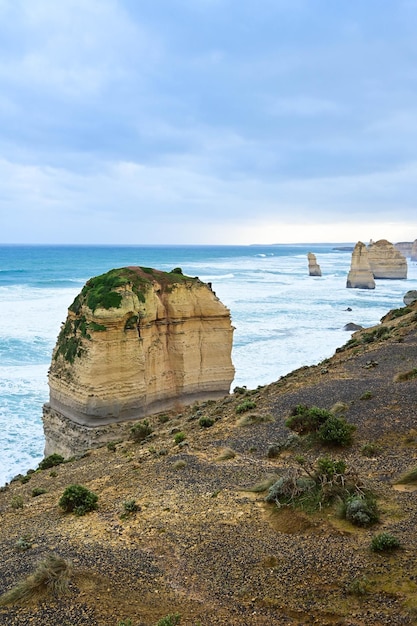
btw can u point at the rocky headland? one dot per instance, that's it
(182, 532)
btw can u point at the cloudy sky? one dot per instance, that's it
(207, 121)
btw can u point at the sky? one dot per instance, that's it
(208, 121)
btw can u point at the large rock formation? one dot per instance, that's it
(410, 297)
(386, 261)
(413, 254)
(136, 341)
(404, 247)
(360, 275)
(313, 266)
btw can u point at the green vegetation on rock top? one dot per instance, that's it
(102, 291)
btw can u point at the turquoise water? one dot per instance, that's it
(283, 318)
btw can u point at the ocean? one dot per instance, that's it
(283, 318)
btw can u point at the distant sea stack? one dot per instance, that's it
(413, 254)
(136, 341)
(360, 275)
(404, 247)
(386, 260)
(313, 266)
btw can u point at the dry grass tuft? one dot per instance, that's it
(254, 418)
(51, 576)
(226, 454)
(402, 377)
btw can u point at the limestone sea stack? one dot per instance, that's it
(360, 275)
(413, 255)
(136, 341)
(404, 247)
(313, 266)
(386, 260)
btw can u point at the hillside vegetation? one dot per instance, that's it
(291, 504)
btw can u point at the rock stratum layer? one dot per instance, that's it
(360, 275)
(136, 341)
(313, 267)
(386, 260)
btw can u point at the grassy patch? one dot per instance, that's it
(254, 418)
(409, 478)
(246, 405)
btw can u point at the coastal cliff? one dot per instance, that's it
(185, 530)
(136, 341)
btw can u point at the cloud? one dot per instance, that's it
(204, 121)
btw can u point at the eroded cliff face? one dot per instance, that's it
(360, 275)
(137, 341)
(386, 260)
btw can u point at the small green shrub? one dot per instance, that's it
(336, 431)
(370, 449)
(51, 461)
(240, 390)
(384, 542)
(358, 587)
(163, 418)
(274, 451)
(329, 468)
(23, 543)
(111, 446)
(361, 510)
(247, 405)
(38, 491)
(179, 437)
(382, 332)
(169, 620)
(205, 422)
(367, 395)
(17, 502)
(289, 488)
(140, 431)
(130, 507)
(304, 419)
(78, 499)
